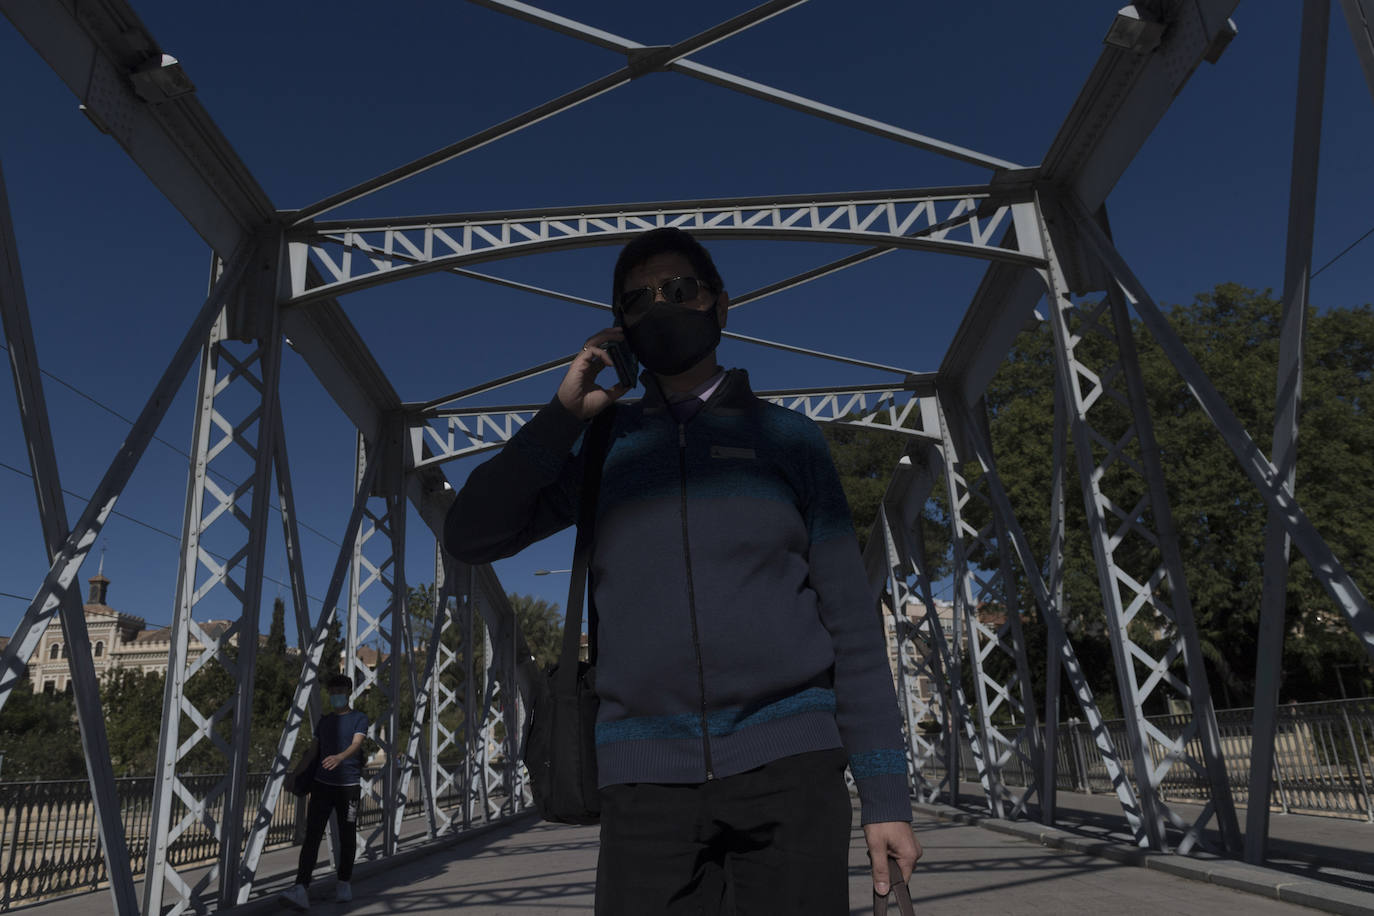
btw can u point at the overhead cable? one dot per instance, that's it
(110, 410)
(162, 531)
(1343, 253)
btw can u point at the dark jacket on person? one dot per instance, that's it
(737, 625)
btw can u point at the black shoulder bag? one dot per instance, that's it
(560, 745)
(301, 779)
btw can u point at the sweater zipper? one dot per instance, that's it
(692, 599)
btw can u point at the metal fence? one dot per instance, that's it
(49, 843)
(1323, 764)
(1323, 758)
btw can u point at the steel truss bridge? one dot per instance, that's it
(1040, 230)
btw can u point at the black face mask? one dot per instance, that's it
(671, 339)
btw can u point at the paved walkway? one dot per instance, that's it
(972, 866)
(1333, 850)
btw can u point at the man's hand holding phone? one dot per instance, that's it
(579, 392)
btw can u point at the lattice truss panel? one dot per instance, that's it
(409, 753)
(891, 410)
(475, 778)
(922, 650)
(985, 601)
(433, 735)
(218, 593)
(360, 254)
(465, 697)
(492, 728)
(305, 701)
(1149, 616)
(1049, 599)
(374, 647)
(457, 433)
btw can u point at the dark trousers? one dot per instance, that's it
(324, 801)
(771, 840)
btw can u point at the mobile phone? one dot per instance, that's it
(623, 359)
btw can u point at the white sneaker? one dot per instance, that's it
(343, 892)
(295, 896)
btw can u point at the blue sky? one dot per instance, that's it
(316, 98)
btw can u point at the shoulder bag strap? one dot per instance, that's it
(899, 890)
(594, 454)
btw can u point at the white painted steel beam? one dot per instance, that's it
(1126, 96)
(422, 745)
(736, 301)
(1050, 602)
(250, 596)
(1302, 207)
(443, 698)
(1123, 99)
(1004, 183)
(93, 47)
(362, 254)
(995, 744)
(1359, 16)
(894, 556)
(922, 751)
(304, 700)
(291, 541)
(450, 433)
(236, 407)
(52, 517)
(376, 601)
(758, 90)
(61, 576)
(1124, 500)
(1328, 570)
(651, 59)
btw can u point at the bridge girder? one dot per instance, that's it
(365, 254)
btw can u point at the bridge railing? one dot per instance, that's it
(1323, 758)
(1323, 764)
(49, 842)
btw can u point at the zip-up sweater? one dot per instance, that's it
(736, 624)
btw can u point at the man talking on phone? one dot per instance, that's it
(741, 663)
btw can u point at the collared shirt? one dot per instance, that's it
(685, 404)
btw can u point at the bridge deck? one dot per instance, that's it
(534, 868)
(528, 867)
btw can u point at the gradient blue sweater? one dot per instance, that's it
(736, 625)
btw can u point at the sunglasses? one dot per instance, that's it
(676, 291)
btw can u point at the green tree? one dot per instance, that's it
(1020, 407)
(540, 622)
(1234, 334)
(331, 655)
(132, 700)
(865, 460)
(542, 625)
(275, 644)
(39, 736)
(208, 689)
(274, 685)
(421, 602)
(1219, 516)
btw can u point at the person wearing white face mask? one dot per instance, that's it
(336, 790)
